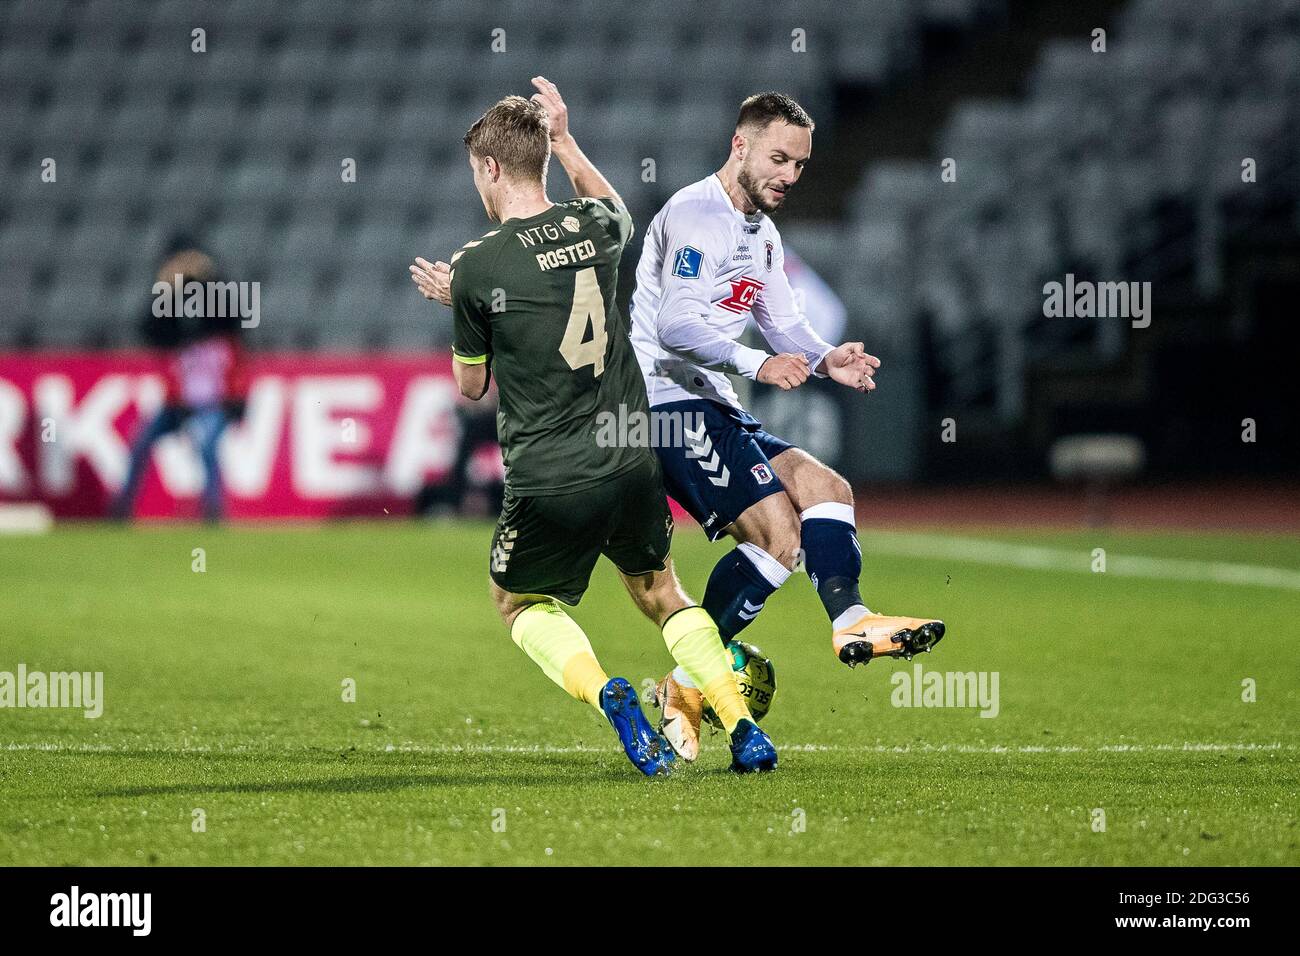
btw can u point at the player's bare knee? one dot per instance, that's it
(506, 610)
(836, 488)
(785, 543)
(641, 588)
(657, 594)
(772, 525)
(813, 483)
(508, 605)
(668, 603)
(778, 536)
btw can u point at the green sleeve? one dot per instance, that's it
(613, 217)
(471, 340)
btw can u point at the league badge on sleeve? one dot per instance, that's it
(686, 262)
(767, 258)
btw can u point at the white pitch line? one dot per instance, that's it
(1038, 558)
(1184, 747)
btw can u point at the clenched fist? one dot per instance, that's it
(786, 371)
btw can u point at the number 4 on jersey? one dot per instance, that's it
(588, 306)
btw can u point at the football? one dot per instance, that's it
(755, 677)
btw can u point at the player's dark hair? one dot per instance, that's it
(762, 109)
(516, 133)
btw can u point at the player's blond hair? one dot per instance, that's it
(516, 133)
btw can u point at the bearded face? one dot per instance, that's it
(764, 194)
(774, 161)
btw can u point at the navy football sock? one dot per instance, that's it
(832, 556)
(739, 586)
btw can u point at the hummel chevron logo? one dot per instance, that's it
(501, 553)
(697, 441)
(700, 446)
(750, 612)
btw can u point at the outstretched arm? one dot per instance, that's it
(587, 179)
(786, 329)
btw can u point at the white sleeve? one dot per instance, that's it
(695, 249)
(784, 327)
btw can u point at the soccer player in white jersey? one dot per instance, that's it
(710, 260)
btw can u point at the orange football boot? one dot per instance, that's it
(876, 635)
(683, 709)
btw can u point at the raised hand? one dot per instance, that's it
(433, 279)
(548, 97)
(850, 365)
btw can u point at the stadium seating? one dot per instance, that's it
(243, 144)
(1068, 179)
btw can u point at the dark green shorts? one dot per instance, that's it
(549, 544)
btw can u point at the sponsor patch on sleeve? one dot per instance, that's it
(686, 262)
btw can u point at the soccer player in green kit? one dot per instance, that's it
(533, 300)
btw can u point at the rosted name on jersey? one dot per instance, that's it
(557, 231)
(565, 255)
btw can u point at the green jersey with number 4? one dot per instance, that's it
(535, 297)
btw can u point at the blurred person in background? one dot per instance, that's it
(476, 424)
(206, 380)
(814, 299)
(811, 410)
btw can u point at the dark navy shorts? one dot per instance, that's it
(721, 465)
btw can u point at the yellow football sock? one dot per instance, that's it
(553, 639)
(693, 641)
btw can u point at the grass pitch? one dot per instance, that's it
(224, 704)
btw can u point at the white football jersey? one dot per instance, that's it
(705, 268)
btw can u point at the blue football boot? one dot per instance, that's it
(751, 749)
(648, 751)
